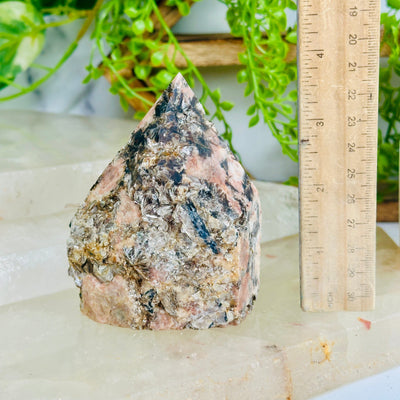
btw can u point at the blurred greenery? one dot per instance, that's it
(389, 107)
(76, 4)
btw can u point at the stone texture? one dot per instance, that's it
(168, 237)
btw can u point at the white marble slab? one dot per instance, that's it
(50, 350)
(49, 161)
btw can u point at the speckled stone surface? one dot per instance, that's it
(168, 237)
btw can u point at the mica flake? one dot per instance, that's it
(168, 237)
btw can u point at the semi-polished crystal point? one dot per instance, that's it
(168, 237)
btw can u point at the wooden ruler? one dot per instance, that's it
(338, 64)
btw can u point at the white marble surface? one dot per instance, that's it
(383, 386)
(279, 352)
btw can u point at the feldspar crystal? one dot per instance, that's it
(168, 237)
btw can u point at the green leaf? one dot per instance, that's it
(135, 46)
(116, 53)
(292, 96)
(243, 58)
(77, 4)
(226, 105)
(292, 73)
(142, 71)
(252, 109)
(97, 73)
(291, 37)
(149, 25)
(184, 8)
(242, 76)
(248, 90)
(124, 103)
(270, 113)
(283, 80)
(280, 17)
(216, 95)
(268, 93)
(157, 58)
(151, 44)
(164, 77)
(219, 115)
(131, 12)
(190, 80)
(287, 109)
(394, 4)
(292, 181)
(139, 115)
(254, 121)
(87, 79)
(170, 66)
(119, 65)
(138, 27)
(114, 88)
(19, 41)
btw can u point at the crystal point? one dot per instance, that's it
(168, 237)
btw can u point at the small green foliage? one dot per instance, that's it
(394, 4)
(142, 71)
(124, 103)
(254, 120)
(389, 105)
(21, 39)
(266, 72)
(292, 181)
(130, 22)
(157, 58)
(73, 4)
(291, 36)
(226, 105)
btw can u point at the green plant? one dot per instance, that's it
(389, 107)
(145, 49)
(266, 72)
(30, 28)
(22, 39)
(134, 35)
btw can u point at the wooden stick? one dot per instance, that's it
(222, 50)
(209, 53)
(170, 15)
(388, 211)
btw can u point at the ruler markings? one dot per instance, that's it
(347, 106)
